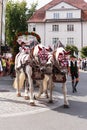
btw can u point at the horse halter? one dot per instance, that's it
(63, 60)
(42, 56)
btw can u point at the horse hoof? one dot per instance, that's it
(47, 96)
(32, 103)
(50, 101)
(66, 106)
(18, 95)
(35, 97)
(26, 98)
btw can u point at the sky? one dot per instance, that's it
(85, 0)
(41, 3)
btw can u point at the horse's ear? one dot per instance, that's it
(47, 49)
(40, 49)
(67, 52)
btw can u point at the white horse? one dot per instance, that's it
(23, 71)
(38, 57)
(61, 64)
(44, 59)
(59, 74)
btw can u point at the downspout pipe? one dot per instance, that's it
(82, 34)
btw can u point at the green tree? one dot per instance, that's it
(15, 19)
(72, 48)
(31, 11)
(84, 52)
(17, 14)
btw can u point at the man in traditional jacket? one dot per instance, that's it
(74, 72)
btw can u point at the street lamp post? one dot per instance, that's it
(1, 6)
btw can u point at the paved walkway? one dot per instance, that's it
(11, 105)
(83, 71)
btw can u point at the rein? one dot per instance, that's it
(55, 61)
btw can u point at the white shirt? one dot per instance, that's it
(1, 68)
(69, 63)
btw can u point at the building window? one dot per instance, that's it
(69, 15)
(34, 29)
(55, 15)
(30, 28)
(62, 6)
(70, 41)
(55, 40)
(70, 27)
(55, 27)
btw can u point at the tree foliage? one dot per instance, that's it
(84, 52)
(15, 19)
(72, 48)
(31, 11)
(17, 14)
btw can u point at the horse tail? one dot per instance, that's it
(21, 81)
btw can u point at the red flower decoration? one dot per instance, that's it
(28, 33)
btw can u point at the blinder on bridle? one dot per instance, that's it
(42, 56)
(63, 60)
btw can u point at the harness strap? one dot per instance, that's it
(55, 61)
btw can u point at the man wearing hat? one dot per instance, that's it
(74, 71)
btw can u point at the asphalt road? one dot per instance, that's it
(74, 118)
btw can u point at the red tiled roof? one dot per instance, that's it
(39, 15)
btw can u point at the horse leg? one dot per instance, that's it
(18, 90)
(47, 83)
(51, 89)
(30, 81)
(64, 89)
(46, 94)
(26, 85)
(40, 90)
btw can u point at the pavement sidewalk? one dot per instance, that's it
(11, 105)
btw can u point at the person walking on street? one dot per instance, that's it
(1, 68)
(74, 72)
(4, 65)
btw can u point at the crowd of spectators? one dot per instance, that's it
(83, 64)
(6, 66)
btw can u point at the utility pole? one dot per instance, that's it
(1, 13)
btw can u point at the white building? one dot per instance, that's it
(64, 20)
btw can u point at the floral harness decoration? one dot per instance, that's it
(43, 55)
(27, 34)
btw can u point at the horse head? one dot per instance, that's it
(42, 56)
(62, 58)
